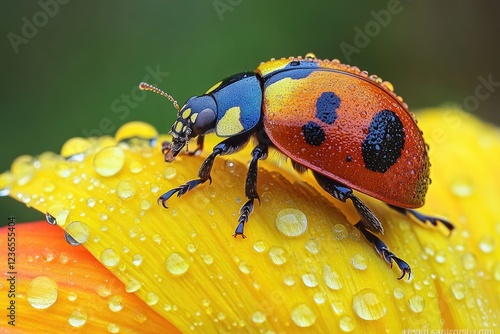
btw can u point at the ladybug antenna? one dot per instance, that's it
(146, 86)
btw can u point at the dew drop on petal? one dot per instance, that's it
(135, 166)
(309, 280)
(245, 267)
(487, 244)
(368, 305)
(132, 285)
(496, 271)
(458, 289)
(137, 130)
(113, 328)
(137, 259)
(50, 219)
(291, 222)
(151, 298)
(76, 233)
(338, 307)
(469, 261)
(462, 187)
(72, 296)
(42, 292)
(115, 303)
(177, 264)
(6, 181)
(303, 316)
(125, 189)
(208, 259)
(259, 246)
(339, 231)
(75, 149)
(319, 297)
(277, 255)
(416, 303)
(312, 246)
(258, 317)
(102, 290)
(109, 257)
(398, 293)
(331, 278)
(347, 324)
(289, 280)
(77, 318)
(359, 262)
(169, 172)
(109, 161)
(23, 168)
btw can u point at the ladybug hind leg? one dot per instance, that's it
(259, 152)
(424, 219)
(228, 146)
(368, 222)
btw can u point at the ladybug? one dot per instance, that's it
(350, 129)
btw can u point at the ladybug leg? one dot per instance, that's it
(424, 219)
(384, 251)
(343, 193)
(227, 146)
(259, 152)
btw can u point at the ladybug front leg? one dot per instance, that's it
(424, 219)
(259, 152)
(228, 146)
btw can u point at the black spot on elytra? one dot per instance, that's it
(384, 142)
(313, 134)
(326, 107)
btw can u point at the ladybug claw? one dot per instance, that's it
(239, 230)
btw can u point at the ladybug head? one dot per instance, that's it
(197, 117)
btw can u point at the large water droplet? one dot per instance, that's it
(416, 303)
(132, 285)
(137, 259)
(76, 233)
(77, 318)
(303, 316)
(109, 257)
(331, 278)
(277, 255)
(367, 305)
(312, 246)
(177, 264)
(359, 262)
(134, 133)
(151, 298)
(258, 317)
(50, 219)
(259, 246)
(245, 267)
(291, 222)
(42, 292)
(23, 168)
(469, 261)
(458, 289)
(109, 161)
(310, 280)
(115, 303)
(339, 231)
(398, 293)
(75, 149)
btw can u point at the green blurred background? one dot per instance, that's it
(67, 68)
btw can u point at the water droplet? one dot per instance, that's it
(487, 244)
(339, 231)
(177, 264)
(458, 289)
(109, 257)
(259, 246)
(462, 187)
(42, 292)
(303, 316)
(367, 305)
(319, 297)
(109, 161)
(289, 280)
(398, 293)
(440, 256)
(76, 233)
(151, 298)
(496, 271)
(103, 291)
(137, 131)
(75, 149)
(50, 219)
(126, 189)
(469, 261)
(310, 280)
(331, 278)
(48, 186)
(258, 317)
(137, 259)
(132, 285)
(169, 173)
(416, 303)
(6, 181)
(135, 166)
(359, 262)
(338, 307)
(91, 202)
(347, 324)
(77, 318)
(208, 259)
(145, 204)
(245, 267)
(312, 247)
(277, 255)
(48, 254)
(113, 328)
(115, 303)
(103, 216)
(291, 222)
(23, 169)
(72, 296)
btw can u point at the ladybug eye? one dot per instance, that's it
(204, 122)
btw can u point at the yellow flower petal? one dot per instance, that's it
(303, 265)
(55, 287)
